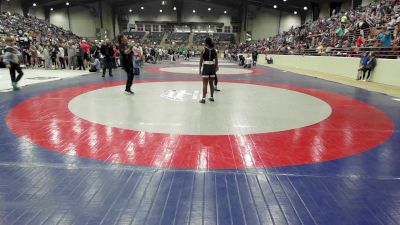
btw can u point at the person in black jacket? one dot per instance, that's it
(107, 52)
(79, 56)
(126, 61)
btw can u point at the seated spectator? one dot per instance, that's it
(95, 66)
(340, 32)
(369, 67)
(269, 59)
(360, 42)
(321, 49)
(363, 65)
(385, 38)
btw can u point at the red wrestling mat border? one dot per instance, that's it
(352, 128)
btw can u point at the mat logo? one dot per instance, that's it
(180, 95)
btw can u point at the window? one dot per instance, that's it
(147, 28)
(140, 27)
(163, 28)
(156, 28)
(227, 29)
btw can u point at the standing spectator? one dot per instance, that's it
(54, 56)
(47, 57)
(107, 52)
(71, 51)
(61, 56)
(126, 61)
(255, 56)
(248, 61)
(79, 56)
(86, 50)
(65, 47)
(12, 59)
(34, 58)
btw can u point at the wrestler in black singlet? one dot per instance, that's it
(209, 67)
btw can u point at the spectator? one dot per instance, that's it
(61, 56)
(248, 61)
(385, 38)
(72, 60)
(12, 59)
(363, 64)
(369, 67)
(95, 66)
(107, 53)
(47, 57)
(360, 42)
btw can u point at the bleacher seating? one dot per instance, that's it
(178, 38)
(155, 37)
(224, 37)
(135, 35)
(39, 30)
(198, 38)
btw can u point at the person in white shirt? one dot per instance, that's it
(248, 61)
(61, 55)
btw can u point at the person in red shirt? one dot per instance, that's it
(360, 41)
(86, 48)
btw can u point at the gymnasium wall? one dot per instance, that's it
(107, 20)
(264, 22)
(151, 13)
(84, 20)
(38, 12)
(289, 20)
(340, 66)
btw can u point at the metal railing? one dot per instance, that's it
(380, 52)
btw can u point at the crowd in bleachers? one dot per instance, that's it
(178, 37)
(38, 30)
(224, 38)
(218, 38)
(155, 37)
(375, 26)
(136, 36)
(198, 38)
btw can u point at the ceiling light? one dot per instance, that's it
(275, 6)
(194, 11)
(34, 4)
(67, 3)
(142, 8)
(130, 10)
(51, 9)
(284, 0)
(305, 8)
(225, 12)
(295, 12)
(160, 10)
(209, 9)
(174, 8)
